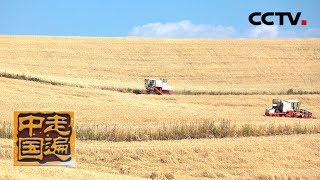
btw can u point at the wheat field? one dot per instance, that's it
(223, 65)
(277, 157)
(215, 81)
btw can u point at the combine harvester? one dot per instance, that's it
(157, 86)
(287, 108)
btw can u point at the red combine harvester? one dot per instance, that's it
(157, 86)
(287, 108)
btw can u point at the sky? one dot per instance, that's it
(162, 19)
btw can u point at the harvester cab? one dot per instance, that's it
(157, 86)
(287, 108)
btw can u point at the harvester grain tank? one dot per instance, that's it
(287, 108)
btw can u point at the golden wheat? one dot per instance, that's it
(215, 80)
(276, 157)
(95, 106)
(203, 65)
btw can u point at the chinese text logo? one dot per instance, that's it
(44, 138)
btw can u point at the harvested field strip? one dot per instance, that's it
(206, 129)
(29, 78)
(136, 91)
(58, 83)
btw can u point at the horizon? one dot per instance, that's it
(159, 38)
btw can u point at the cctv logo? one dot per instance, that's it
(266, 18)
